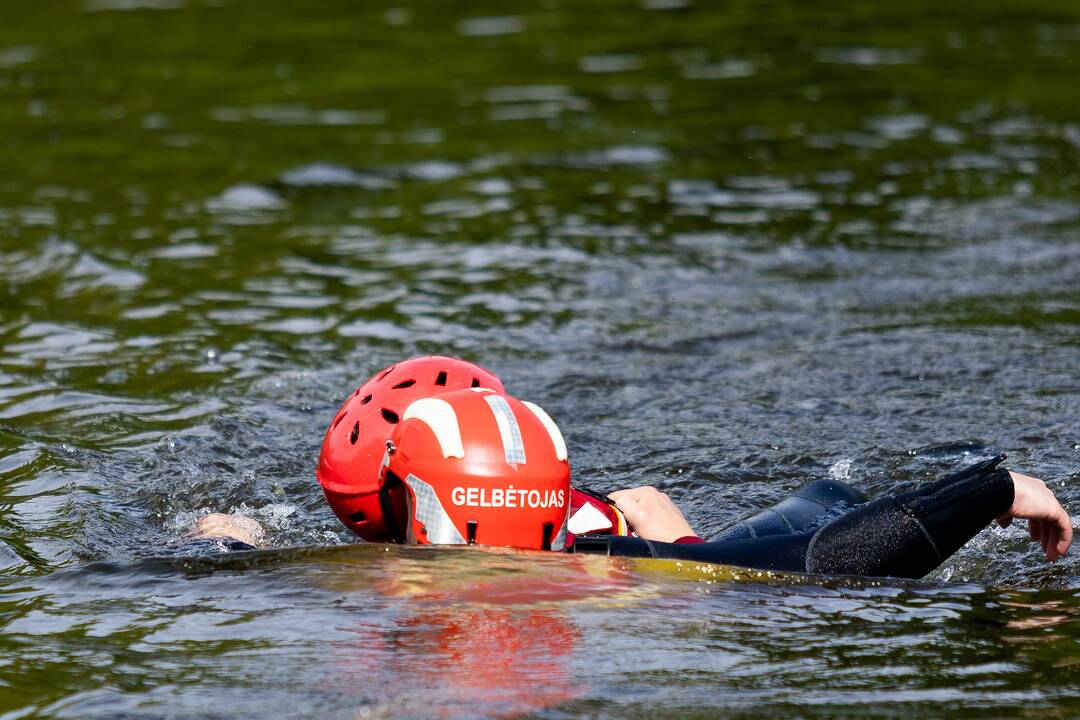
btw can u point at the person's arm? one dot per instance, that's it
(951, 511)
(906, 535)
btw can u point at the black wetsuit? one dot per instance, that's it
(828, 527)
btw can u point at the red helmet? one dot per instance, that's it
(478, 466)
(353, 449)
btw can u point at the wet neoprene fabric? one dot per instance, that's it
(827, 527)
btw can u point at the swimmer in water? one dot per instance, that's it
(433, 451)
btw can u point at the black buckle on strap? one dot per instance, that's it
(592, 544)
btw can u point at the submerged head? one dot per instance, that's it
(478, 466)
(354, 446)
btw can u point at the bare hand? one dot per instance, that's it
(651, 514)
(1048, 523)
(232, 527)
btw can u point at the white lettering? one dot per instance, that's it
(509, 497)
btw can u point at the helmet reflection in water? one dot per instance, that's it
(477, 466)
(495, 632)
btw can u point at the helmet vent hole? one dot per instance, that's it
(404, 384)
(441, 379)
(389, 416)
(355, 434)
(365, 400)
(358, 517)
(338, 420)
(385, 372)
(475, 382)
(470, 531)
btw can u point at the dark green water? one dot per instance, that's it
(729, 247)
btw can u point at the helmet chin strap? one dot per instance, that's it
(392, 512)
(410, 535)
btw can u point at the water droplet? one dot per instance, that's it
(841, 470)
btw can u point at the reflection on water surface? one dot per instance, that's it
(404, 632)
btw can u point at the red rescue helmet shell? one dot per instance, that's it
(479, 466)
(353, 449)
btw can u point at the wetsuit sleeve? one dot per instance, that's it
(909, 535)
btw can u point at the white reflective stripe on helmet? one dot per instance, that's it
(551, 427)
(559, 543)
(440, 416)
(513, 446)
(426, 508)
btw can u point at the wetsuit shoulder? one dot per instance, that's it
(808, 508)
(774, 539)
